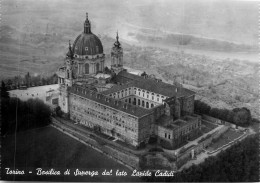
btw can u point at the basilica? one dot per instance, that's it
(131, 108)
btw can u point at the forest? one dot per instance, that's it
(20, 115)
(238, 116)
(239, 163)
(29, 80)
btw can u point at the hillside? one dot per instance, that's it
(212, 44)
(35, 34)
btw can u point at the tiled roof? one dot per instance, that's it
(109, 101)
(148, 84)
(117, 88)
(168, 122)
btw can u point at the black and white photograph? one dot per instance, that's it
(129, 90)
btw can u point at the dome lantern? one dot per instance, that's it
(87, 25)
(87, 43)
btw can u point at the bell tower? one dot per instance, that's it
(117, 56)
(67, 79)
(69, 67)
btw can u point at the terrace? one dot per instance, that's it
(227, 137)
(207, 126)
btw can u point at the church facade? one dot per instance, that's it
(128, 107)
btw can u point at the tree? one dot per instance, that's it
(4, 92)
(27, 78)
(201, 107)
(22, 115)
(242, 116)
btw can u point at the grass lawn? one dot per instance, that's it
(49, 148)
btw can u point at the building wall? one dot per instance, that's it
(172, 138)
(144, 94)
(141, 102)
(104, 119)
(188, 105)
(165, 134)
(64, 99)
(153, 99)
(145, 128)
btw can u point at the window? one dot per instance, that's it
(147, 105)
(165, 135)
(97, 49)
(169, 136)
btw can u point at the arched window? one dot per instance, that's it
(97, 67)
(143, 103)
(139, 102)
(152, 105)
(86, 68)
(147, 104)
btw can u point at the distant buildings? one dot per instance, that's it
(115, 102)
(48, 94)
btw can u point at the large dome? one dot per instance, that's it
(87, 44)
